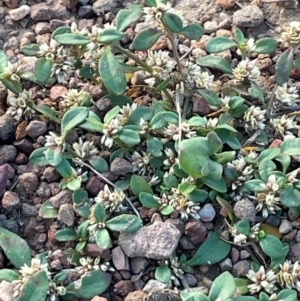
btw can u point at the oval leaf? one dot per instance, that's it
(125, 17)
(219, 44)
(172, 22)
(193, 31)
(124, 223)
(72, 39)
(265, 45)
(146, 39)
(215, 62)
(284, 67)
(42, 69)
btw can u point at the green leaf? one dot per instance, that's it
(72, 118)
(139, 185)
(72, 39)
(211, 251)
(215, 62)
(151, 3)
(163, 274)
(15, 248)
(3, 60)
(148, 200)
(222, 287)
(42, 69)
(255, 91)
(243, 227)
(218, 185)
(124, 223)
(98, 163)
(194, 296)
(239, 36)
(61, 30)
(53, 156)
(193, 31)
(219, 44)
(48, 112)
(129, 137)
(241, 285)
(290, 196)
(271, 246)
(125, 17)
(87, 72)
(111, 72)
(245, 298)
(284, 66)
(141, 112)
(291, 147)
(268, 154)
(8, 275)
(119, 100)
(64, 168)
(197, 196)
(35, 289)
(255, 185)
(154, 146)
(99, 213)
(38, 157)
(30, 50)
(146, 39)
(88, 289)
(195, 156)
(167, 210)
(162, 119)
(74, 184)
(12, 85)
(65, 235)
(172, 22)
(80, 196)
(210, 96)
(297, 63)
(103, 239)
(287, 295)
(265, 45)
(47, 210)
(110, 35)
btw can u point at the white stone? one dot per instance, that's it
(19, 13)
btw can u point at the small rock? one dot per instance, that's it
(44, 190)
(297, 238)
(11, 3)
(224, 33)
(123, 287)
(43, 38)
(138, 264)
(42, 27)
(97, 298)
(50, 174)
(71, 4)
(186, 244)
(59, 12)
(138, 78)
(66, 214)
(195, 231)
(104, 6)
(63, 197)
(157, 241)
(285, 226)
(210, 26)
(154, 285)
(289, 236)
(6, 127)
(11, 201)
(104, 104)
(241, 268)
(207, 213)
(200, 106)
(225, 265)
(120, 166)
(94, 251)
(135, 296)
(296, 224)
(178, 223)
(190, 279)
(294, 254)
(56, 92)
(94, 185)
(29, 181)
(226, 4)
(248, 16)
(19, 13)
(21, 158)
(245, 209)
(11, 225)
(120, 260)
(244, 254)
(21, 130)
(36, 128)
(8, 153)
(29, 210)
(40, 12)
(85, 11)
(7, 291)
(24, 145)
(273, 220)
(264, 64)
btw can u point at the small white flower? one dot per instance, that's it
(109, 131)
(54, 140)
(250, 47)
(211, 123)
(171, 159)
(85, 149)
(125, 112)
(254, 119)
(289, 275)
(246, 69)
(283, 124)
(204, 80)
(13, 71)
(173, 130)
(154, 14)
(238, 238)
(267, 203)
(73, 99)
(140, 162)
(262, 281)
(292, 34)
(285, 95)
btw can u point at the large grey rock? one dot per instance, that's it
(6, 127)
(8, 153)
(101, 7)
(157, 241)
(248, 16)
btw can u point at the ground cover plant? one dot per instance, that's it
(180, 160)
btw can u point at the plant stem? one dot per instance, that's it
(175, 53)
(134, 57)
(77, 160)
(186, 107)
(270, 103)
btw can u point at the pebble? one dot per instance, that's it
(190, 279)
(11, 201)
(24, 145)
(8, 153)
(6, 127)
(36, 128)
(186, 244)
(21, 159)
(285, 227)
(71, 4)
(50, 174)
(120, 166)
(21, 130)
(19, 13)
(245, 209)
(138, 264)
(120, 260)
(11, 3)
(43, 190)
(248, 16)
(66, 214)
(157, 241)
(289, 236)
(104, 6)
(63, 197)
(42, 27)
(11, 225)
(273, 220)
(123, 287)
(294, 254)
(241, 268)
(245, 254)
(135, 296)
(40, 12)
(29, 210)
(85, 11)
(225, 265)
(178, 223)
(195, 231)
(94, 251)
(210, 26)
(154, 285)
(94, 185)
(29, 181)
(207, 213)
(200, 106)
(297, 238)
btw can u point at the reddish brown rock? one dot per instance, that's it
(71, 4)
(135, 296)
(123, 287)
(11, 3)
(56, 92)
(40, 12)
(195, 231)
(94, 251)
(21, 132)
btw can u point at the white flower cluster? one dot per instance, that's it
(283, 124)
(89, 264)
(285, 95)
(173, 130)
(125, 112)
(72, 99)
(292, 34)
(141, 161)
(254, 119)
(109, 131)
(21, 106)
(85, 149)
(289, 275)
(246, 70)
(54, 140)
(13, 71)
(248, 48)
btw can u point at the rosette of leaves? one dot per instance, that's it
(122, 223)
